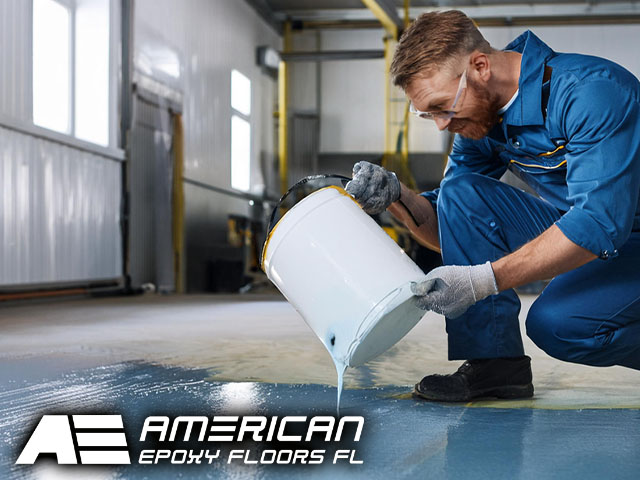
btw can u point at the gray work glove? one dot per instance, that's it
(452, 289)
(373, 187)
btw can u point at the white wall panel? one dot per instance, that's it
(351, 95)
(59, 213)
(59, 206)
(303, 92)
(615, 42)
(211, 38)
(15, 59)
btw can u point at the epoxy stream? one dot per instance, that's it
(340, 368)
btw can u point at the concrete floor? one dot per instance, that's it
(213, 354)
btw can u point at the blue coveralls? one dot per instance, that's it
(575, 140)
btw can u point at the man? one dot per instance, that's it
(569, 126)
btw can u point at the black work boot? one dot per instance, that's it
(493, 377)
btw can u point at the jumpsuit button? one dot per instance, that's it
(516, 143)
(492, 224)
(605, 254)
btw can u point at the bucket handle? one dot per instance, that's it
(297, 185)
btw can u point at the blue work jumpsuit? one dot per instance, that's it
(575, 139)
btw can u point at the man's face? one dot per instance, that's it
(477, 108)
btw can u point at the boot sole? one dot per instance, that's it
(507, 392)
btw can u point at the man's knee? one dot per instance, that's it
(460, 190)
(552, 328)
(463, 194)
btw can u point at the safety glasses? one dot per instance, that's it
(443, 114)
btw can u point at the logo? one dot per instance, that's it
(185, 440)
(84, 439)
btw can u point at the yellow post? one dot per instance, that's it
(396, 108)
(405, 132)
(178, 202)
(283, 93)
(388, 144)
(382, 16)
(407, 20)
(283, 137)
(405, 135)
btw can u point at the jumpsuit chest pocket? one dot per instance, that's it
(535, 163)
(532, 149)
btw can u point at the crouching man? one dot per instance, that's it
(569, 126)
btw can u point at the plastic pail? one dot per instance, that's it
(346, 277)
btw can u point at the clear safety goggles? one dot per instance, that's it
(443, 114)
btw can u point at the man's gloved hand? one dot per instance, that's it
(452, 289)
(373, 187)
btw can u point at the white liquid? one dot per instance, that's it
(340, 368)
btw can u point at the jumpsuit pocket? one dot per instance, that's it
(533, 166)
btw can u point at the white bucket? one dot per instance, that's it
(346, 277)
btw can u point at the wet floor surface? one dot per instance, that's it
(402, 437)
(204, 355)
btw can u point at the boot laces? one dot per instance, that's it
(465, 367)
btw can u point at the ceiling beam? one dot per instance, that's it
(528, 21)
(330, 55)
(387, 14)
(263, 10)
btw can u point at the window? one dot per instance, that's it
(71, 57)
(240, 93)
(240, 153)
(240, 131)
(51, 65)
(92, 71)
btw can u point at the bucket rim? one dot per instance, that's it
(399, 297)
(270, 234)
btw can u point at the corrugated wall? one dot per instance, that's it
(15, 58)
(59, 205)
(150, 208)
(59, 213)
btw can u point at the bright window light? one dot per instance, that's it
(240, 153)
(240, 93)
(92, 71)
(51, 65)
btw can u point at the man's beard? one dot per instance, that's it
(484, 117)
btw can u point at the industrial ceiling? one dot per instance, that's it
(354, 13)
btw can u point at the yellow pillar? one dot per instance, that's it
(388, 142)
(178, 203)
(387, 23)
(283, 100)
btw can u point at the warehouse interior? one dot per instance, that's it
(145, 144)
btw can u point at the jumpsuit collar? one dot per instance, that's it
(527, 107)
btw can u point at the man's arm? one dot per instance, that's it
(452, 289)
(416, 212)
(544, 257)
(601, 119)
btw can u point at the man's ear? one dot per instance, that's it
(481, 63)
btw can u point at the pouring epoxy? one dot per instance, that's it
(344, 275)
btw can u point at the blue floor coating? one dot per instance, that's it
(402, 437)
